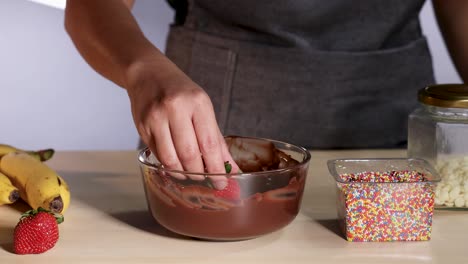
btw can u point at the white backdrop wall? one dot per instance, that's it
(51, 98)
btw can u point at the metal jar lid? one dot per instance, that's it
(445, 95)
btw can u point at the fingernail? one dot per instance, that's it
(220, 184)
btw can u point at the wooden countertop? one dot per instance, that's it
(108, 222)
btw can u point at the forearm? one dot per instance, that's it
(452, 16)
(108, 37)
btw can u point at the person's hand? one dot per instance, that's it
(175, 118)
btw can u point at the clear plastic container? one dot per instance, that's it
(384, 199)
(438, 132)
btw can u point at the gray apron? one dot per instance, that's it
(320, 74)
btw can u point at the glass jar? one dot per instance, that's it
(438, 133)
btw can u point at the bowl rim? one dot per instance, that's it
(142, 160)
(331, 164)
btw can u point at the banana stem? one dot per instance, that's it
(43, 154)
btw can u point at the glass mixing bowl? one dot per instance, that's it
(257, 203)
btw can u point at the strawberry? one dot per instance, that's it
(36, 232)
(230, 192)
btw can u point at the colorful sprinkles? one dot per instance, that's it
(386, 206)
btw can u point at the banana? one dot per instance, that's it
(38, 184)
(5, 149)
(8, 193)
(42, 155)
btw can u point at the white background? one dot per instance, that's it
(50, 97)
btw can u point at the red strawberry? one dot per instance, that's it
(230, 192)
(36, 232)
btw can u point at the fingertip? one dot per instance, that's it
(219, 182)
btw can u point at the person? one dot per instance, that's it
(320, 74)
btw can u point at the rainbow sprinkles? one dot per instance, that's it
(386, 206)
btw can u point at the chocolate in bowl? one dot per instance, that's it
(268, 201)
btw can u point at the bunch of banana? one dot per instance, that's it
(8, 193)
(37, 183)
